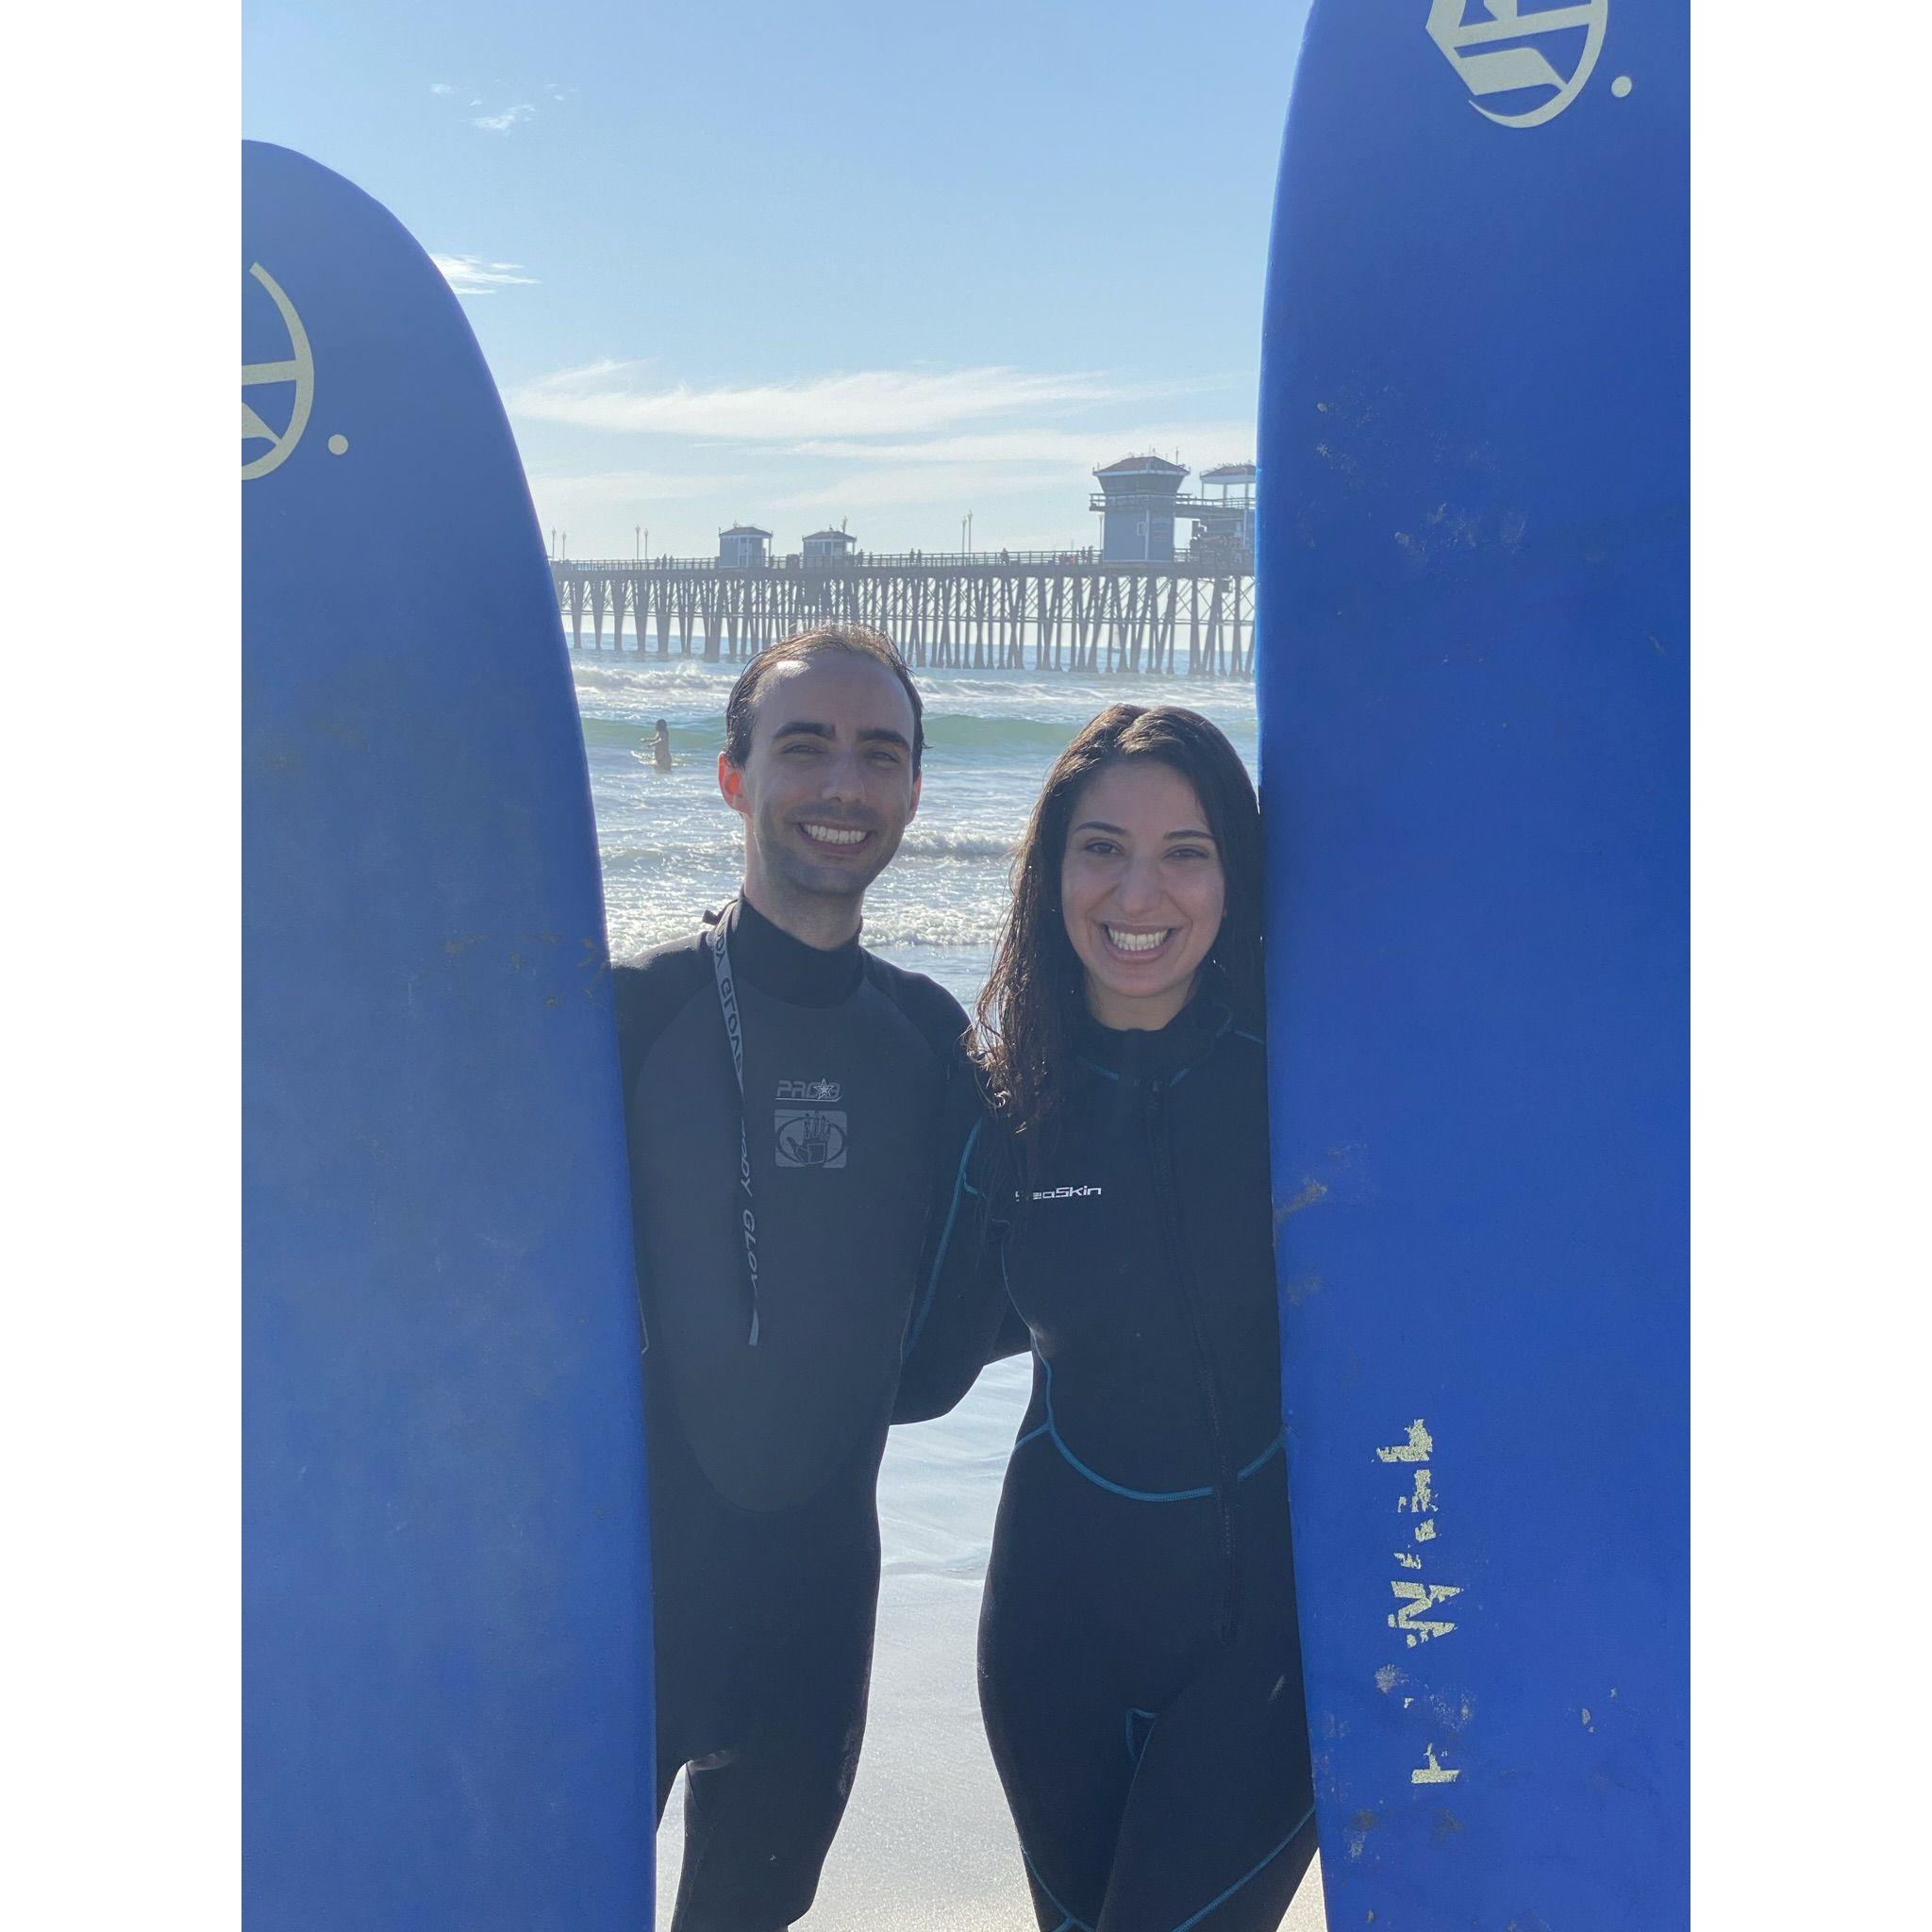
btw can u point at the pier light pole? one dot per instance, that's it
(637, 538)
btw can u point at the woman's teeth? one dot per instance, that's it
(1136, 942)
(835, 835)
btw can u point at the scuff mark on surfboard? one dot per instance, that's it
(1308, 1193)
(1418, 1448)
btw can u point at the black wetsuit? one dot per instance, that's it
(764, 1454)
(1140, 1662)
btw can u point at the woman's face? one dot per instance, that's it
(1141, 891)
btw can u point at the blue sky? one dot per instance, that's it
(889, 262)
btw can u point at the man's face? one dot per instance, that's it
(827, 788)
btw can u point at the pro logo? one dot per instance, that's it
(1511, 49)
(819, 1091)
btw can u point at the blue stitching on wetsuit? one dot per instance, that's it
(1220, 1034)
(1133, 1711)
(1242, 1033)
(1223, 1897)
(1051, 1429)
(1078, 1924)
(960, 1185)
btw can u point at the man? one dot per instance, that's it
(783, 1091)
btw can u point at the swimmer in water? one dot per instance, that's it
(661, 746)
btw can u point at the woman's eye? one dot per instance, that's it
(1190, 852)
(1100, 848)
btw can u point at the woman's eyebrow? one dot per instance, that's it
(1121, 832)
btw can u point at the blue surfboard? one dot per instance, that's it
(1475, 693)
(446, 1697)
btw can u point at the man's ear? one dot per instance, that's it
(731, 785)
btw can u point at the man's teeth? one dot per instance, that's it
(1136, 942)
(835, 835)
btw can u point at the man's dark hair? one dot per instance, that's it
(854, 640)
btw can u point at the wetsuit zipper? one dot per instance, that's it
(1223, 1461)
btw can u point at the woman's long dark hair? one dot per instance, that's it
(1035, 995)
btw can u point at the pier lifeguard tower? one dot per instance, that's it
(1136, 501)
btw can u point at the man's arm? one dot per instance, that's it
(962, 1318)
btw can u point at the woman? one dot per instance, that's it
(1139, 1666)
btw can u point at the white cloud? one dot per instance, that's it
(1057, 449)
(498, 123)
(468, 275)
(441, 87)
(892, 487)
(874, 402)
(629, 489)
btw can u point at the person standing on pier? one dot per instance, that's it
(785, 1090)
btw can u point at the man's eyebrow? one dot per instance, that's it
(1120, 832)
(873, 734)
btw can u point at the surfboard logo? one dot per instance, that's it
(1493, 55)
(284, 388)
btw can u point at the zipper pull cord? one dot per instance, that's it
(1165, 1191)
(717, 946)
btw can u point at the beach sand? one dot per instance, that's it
(926, 1844)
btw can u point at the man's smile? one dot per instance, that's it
(820, 833)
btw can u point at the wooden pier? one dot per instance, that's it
(992, 610)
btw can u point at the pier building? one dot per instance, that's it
(1135, 502)
(742, 547)
(828, 547)
(1223, 513)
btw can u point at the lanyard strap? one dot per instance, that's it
(734, 1033)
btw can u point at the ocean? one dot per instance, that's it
(926, 1843)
